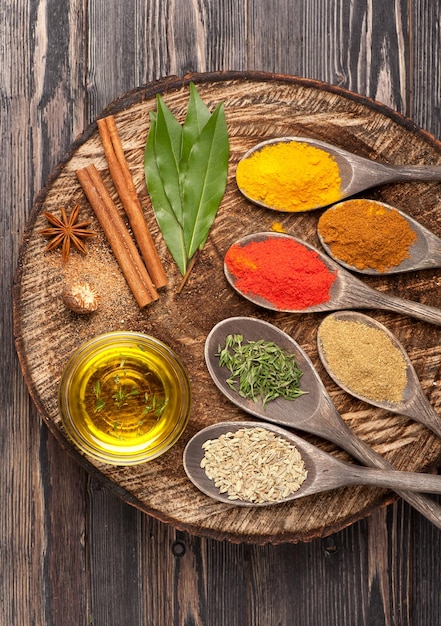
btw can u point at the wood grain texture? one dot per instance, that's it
(182, 321)
(62, 63)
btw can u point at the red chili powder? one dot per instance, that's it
(282, 271)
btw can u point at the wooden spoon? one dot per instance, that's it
(423, 254)
(356, 173)
(313, 412)
(414, 404)
(347, 291)
(324, 471)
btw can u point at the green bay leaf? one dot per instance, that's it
(205, 179)
(165, 216)
(186, 171)
(168, 147)
(197, 116)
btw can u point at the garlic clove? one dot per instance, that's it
(81, 298)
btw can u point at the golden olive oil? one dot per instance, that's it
(124, 399)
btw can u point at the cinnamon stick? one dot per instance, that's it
(125, 187)
(117, 235)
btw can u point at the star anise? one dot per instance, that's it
(66, 231)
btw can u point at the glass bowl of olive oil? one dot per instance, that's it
(124, 398)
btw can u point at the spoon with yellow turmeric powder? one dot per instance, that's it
(301, 174)
(371, 237)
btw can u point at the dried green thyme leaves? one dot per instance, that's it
(260, 370)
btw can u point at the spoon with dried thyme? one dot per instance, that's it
(260, 369)
(312, 412)
(250, 464)
(366, 360)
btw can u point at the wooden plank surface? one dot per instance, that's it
(62, 63)
(43, 324)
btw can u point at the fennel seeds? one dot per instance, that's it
(253, 465)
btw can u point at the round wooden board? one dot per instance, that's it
(257, 106)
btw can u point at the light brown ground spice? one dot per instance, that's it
(364, 359)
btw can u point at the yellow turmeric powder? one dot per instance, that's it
(366, 234)
(290, 176)
(277, 227)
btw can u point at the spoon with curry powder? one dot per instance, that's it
(282, 273)
(312, 412)
(355, 174)
(370, 348)
(292, 467)
(372, 237)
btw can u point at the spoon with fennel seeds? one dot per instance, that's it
(312, 412)
(313, 470)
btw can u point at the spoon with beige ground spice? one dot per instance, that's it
(366, 360)
(250, 464)
(312, 412)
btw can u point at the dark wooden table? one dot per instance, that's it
(72, 553)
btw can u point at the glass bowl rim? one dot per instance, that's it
(178, 370)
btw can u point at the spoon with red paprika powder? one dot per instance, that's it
(372, 237)
(356, 174)
(312, 412)
(282, 273)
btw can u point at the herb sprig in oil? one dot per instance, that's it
(124, 400)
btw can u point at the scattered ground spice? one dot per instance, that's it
(254, 465)
(290, 176)
(364, 359)
(282, 271)
(367, 234)
(277, 227)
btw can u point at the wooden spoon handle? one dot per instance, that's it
(420, 410)
(359, 295)
(364, 453)
(366, 174)
(423, 312)
(414, 481)
(334, 429)
(401, 173)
